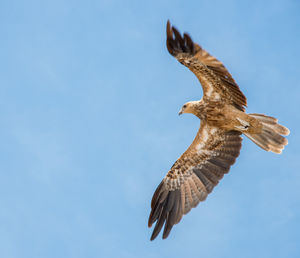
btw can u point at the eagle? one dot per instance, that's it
(218, 141)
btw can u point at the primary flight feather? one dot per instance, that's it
(218, 141)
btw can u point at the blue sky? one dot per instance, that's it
(89, 125)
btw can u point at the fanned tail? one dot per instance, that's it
(270, 138)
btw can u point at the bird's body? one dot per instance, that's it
(218, 141)
(227, 117)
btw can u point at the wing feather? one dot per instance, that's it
(216, 81)
(193, 176)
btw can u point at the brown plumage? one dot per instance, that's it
(218, 141)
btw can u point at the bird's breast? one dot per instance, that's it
(219, 115)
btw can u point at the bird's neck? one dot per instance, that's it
(198, 110)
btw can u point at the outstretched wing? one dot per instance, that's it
(193, 176)
(217, 82)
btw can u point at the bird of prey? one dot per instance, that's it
(218, 141)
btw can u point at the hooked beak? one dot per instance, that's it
(180, 112)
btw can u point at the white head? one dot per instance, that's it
(189, 107)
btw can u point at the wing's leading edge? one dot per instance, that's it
(193, 176)
(217, 82)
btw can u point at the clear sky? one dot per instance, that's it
(89, 127)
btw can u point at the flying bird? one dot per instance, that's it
(218, 141)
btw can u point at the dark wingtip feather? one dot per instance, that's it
(157, 229)
(189, 42)
(158, 197)
(169, 30)
(174, 207)
(177, 43)
(161, 220)
(156, 194)
(166, 212)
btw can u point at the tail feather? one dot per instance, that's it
(264, 118)
(270, 138)
(257, 139)
(278, 129)
(271, 122)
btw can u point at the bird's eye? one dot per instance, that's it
(184, 106)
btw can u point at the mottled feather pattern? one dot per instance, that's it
(215, 79)
(186, 185)
(218, 141)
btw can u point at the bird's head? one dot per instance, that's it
(189, 107)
